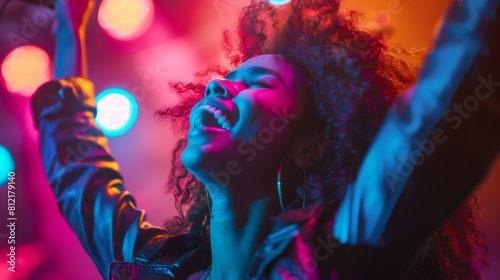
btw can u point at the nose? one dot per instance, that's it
(217, 87)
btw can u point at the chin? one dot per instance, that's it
(205, 158)
(191, 158)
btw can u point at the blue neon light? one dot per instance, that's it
(117, 111)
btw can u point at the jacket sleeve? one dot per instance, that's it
(435, 146)
(438, 139)
(84, 177)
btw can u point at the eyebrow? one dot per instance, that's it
(255, 70)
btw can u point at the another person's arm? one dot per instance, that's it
(83, 175)
(70, 28)
(436, 144)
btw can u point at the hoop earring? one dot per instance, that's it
(278, 185)
(280, 192)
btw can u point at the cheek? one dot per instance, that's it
(274, 125)
(270, 101)
(266, 113)
(279, 111)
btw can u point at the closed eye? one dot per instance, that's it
(259, 85)
(256, 77)
(264, 81)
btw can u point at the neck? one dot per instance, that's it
(240, 223)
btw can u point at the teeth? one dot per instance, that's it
(219, 116)
(221, 120)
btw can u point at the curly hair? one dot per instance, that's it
(352, 77)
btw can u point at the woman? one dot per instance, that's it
(294, 166)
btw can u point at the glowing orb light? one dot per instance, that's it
(25, 68)
(6, 164)
(125, 20)
(116, 111)
(278, 2)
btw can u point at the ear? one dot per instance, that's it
(309, 150)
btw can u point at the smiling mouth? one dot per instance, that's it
(209, 116)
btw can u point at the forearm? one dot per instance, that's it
(68, 58)
(70, 34)
(426, 159)
(83, 175)
(400, 145)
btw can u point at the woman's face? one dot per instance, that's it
(244, 120)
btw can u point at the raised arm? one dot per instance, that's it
(437, 141)
(83, 175)
(70, 32)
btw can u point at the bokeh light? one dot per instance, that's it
(125, 20)
(6, 164)
(116, 111)
(25, 68)
(279, 1)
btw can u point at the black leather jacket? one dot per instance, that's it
(91, 196)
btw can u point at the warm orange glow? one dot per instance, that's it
(24, 69)
(125, 20)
